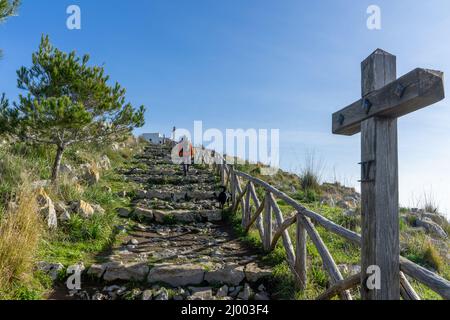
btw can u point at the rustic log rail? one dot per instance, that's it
(262, 213)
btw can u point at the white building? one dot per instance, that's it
(155, 138)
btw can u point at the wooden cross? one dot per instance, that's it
(384, 99)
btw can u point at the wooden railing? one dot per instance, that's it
(266, 216)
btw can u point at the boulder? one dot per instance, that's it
(47, 209)
(98, 209)
(127, 272)
(436, 218)
(97, 270)
(262, 296)
(91, 175)
(222, 292)
(231, 274)
(431, 227)
(162, 294)
(247, 293)
(147, 295)
(123, 212)
(104, 163)
(84, 209)
(40, 184)
(177, 275)
(52, 269)
(62, 212)
(212, 215)
(201, 294)
(253, 273)
(142, 213)
(66, 169)
(349, 269)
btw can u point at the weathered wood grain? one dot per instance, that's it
(301, 254)
(428, 278)
(324, 222)
(287, 242)
(406, 290)
(379, 187)
(422, 88)
(327, 259)
(267, 222)
(284, 226)
(340, 286)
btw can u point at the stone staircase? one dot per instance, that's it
(179, 248)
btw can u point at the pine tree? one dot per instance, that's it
(7, 9)
(67, 102)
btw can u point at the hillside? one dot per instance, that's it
(111, 200)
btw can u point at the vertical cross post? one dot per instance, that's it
(379, 186)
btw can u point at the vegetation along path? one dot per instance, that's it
(174, 243)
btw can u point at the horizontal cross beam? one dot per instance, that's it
(413, 91)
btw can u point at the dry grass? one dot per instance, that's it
(20, 232)
(311, 173)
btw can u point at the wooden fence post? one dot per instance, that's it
(300, 254)
(267, 222)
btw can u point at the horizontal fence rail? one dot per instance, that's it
(266, 216)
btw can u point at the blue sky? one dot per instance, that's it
(257, 64)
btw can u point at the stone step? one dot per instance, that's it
(180, 275)
(177, 195)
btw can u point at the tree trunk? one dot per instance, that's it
(57, 163)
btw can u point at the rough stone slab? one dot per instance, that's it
(121, 271)
(231, 274)
(177, 275)
(254, 273)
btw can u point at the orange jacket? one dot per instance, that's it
(182, 153)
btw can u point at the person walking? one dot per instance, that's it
(186, 153)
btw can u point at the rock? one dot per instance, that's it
(66, 169)
(64, 217)
(96, 270)
(83, 208)
(213, 215)
(436, 218)
(234, 292)
(98, 209)
(62, 211)
(52, 269)
(129, 271)
(349, 269)
(222, 292)
(431, 227)
(254, 273)
(99, 296)
(351, 213)
(142, 213)
(123, 212)
(134, 242)
(47, 209)
(115, 147)
(262, 296)
(147, 295)
(104, 163)
(40, 184)
(231, 274)
(201, 294)
(185, 216)
(90, 175)
(246, 293)
(162, 294)
(261, 288)
(177, 274)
